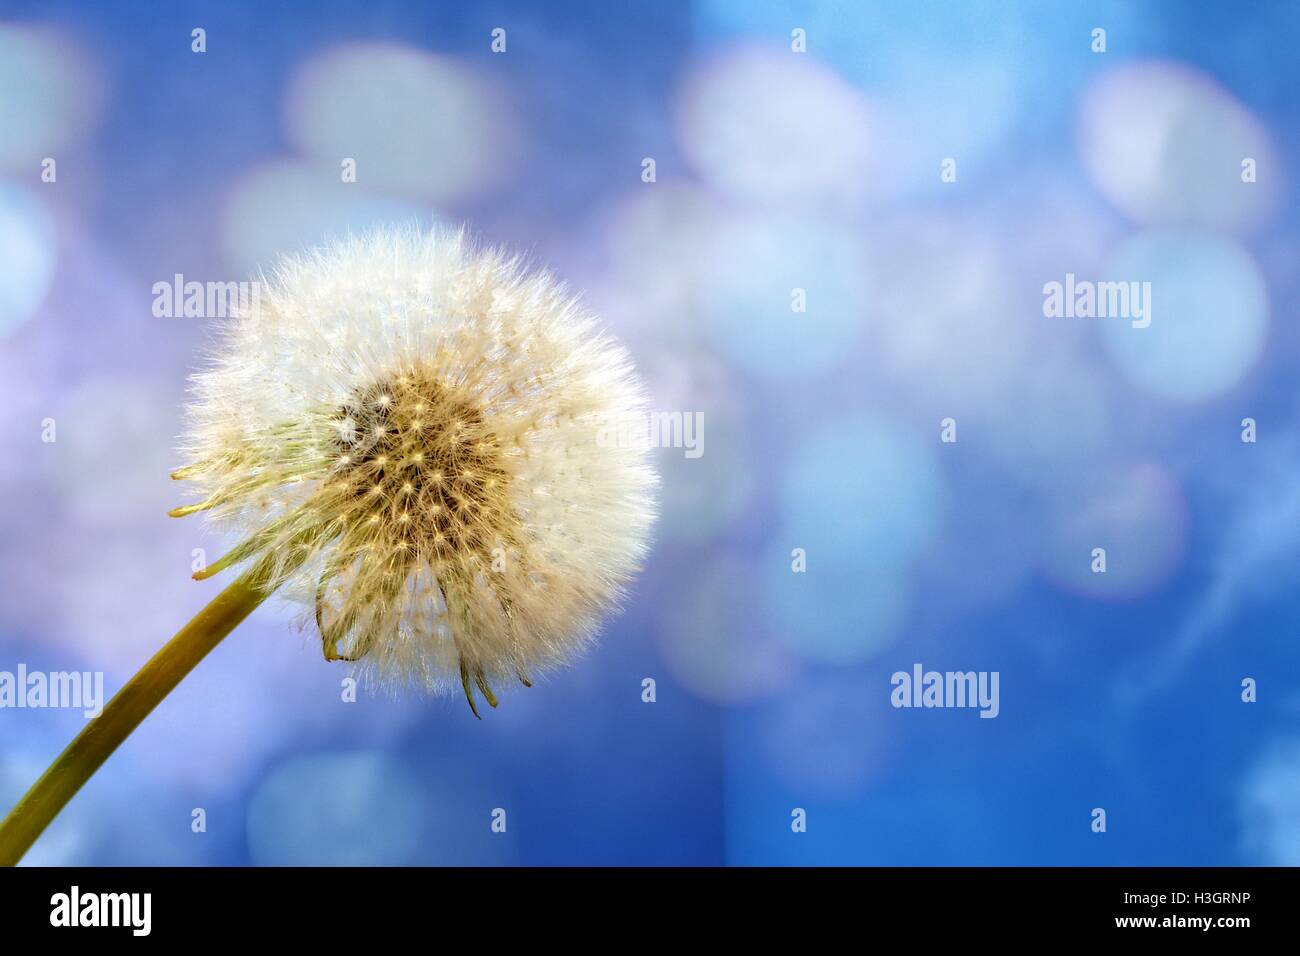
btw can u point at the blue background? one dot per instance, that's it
(774, 170)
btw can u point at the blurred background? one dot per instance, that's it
(774, 169)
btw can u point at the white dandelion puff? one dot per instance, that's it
(411, 436)
(406, 430)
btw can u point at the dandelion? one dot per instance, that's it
(403, 436)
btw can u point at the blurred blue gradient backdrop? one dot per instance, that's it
(774, 170)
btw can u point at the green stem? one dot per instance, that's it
(133, 703)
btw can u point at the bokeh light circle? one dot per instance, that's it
(763, 271)
(862, 492)
(28, 248)
(769, 128)
(941, 310)
(1059, 417)
(938, 109)
(416, 123)
(119, 420)
(701, 497)
(1208, 314)
(284, 207)
(48, 96)
(1165, 144)
(659, 247)
(862, 499)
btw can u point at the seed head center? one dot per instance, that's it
(418, 463)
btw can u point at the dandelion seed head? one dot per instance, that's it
(407, 427)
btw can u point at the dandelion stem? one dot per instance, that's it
(132, 704)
